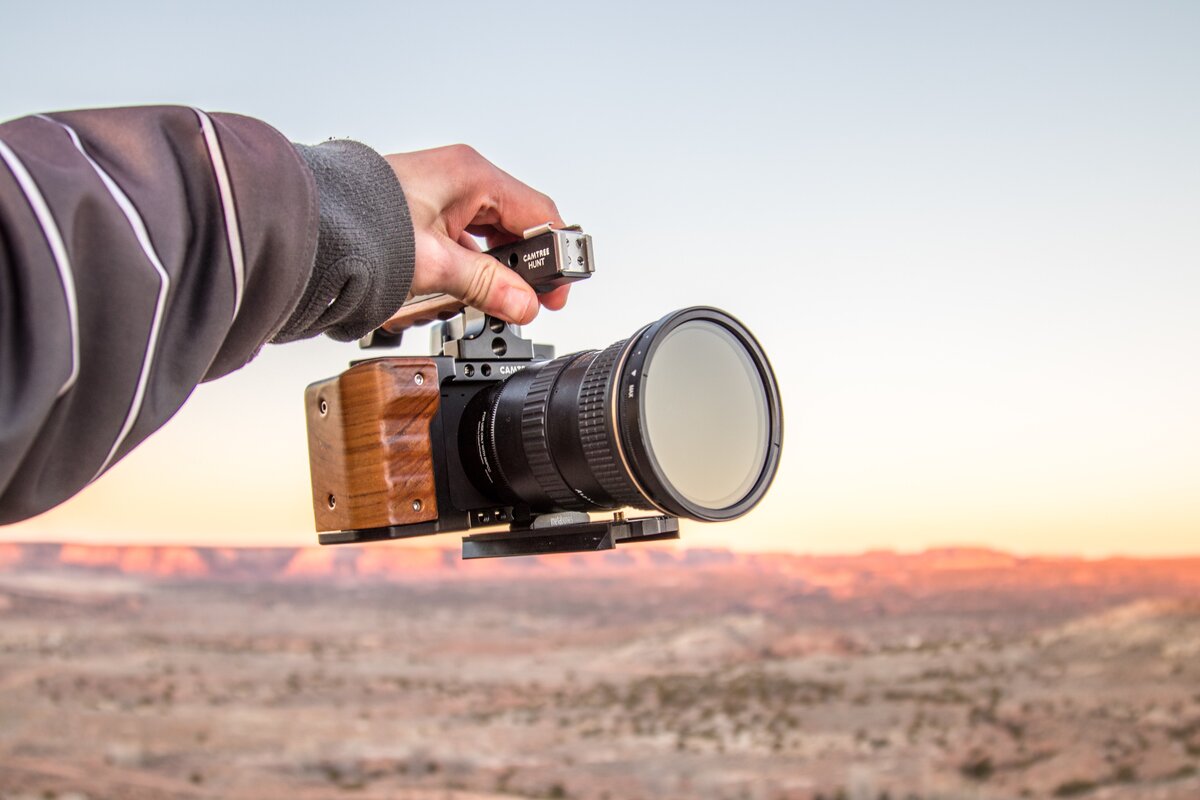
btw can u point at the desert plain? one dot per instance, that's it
(649, 673)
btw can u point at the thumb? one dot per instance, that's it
(484, 283)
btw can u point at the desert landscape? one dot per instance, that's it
(650, 672)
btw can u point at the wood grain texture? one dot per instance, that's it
(369, 449)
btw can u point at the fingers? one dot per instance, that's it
(454, 193)
(503, 201)
(484, 283)
(518, 207)
(555, 300)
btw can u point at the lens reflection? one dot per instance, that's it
(705, 414)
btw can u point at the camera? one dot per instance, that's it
(683, 419)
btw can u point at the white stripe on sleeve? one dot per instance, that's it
(228, 207)
(57, 248)
(164, 284)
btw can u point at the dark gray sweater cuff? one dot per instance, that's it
(365, 251)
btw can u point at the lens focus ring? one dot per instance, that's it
(597, 435)
(534, 436)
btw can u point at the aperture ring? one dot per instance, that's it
(535, 436)
(596, 434)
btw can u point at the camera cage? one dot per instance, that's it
(469, 345)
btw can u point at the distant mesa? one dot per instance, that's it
(961, 569)
(140, 560)
(10, 554)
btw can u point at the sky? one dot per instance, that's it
(966, 234)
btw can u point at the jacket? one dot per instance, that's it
(144, 250)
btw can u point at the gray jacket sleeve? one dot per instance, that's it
(144, 250)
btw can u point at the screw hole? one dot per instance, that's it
(469, 370)
(497, 325)
(332, 501)
(418, 379)
(486, 369)
(417, 505)
(513, 260)
(322, 406)
(499, 346)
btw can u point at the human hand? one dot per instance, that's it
(455, 194)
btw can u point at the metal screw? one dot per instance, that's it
(416, 505)
(323, 407)
(418, 379)
(332, 501)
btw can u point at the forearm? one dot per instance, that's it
(144, 250)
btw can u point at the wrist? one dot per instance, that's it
(365, 252)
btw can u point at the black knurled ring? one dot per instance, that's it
(535, 435)
(595, 433)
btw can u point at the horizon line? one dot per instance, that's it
(411, 543)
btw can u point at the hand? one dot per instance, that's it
(455, 194)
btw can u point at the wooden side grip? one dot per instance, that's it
(368, 444)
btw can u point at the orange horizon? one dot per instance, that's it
(438, 542)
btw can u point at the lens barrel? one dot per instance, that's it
(683, 417)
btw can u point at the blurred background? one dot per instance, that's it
(966, 234)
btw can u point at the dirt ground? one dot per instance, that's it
(718, 683)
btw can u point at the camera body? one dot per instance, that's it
(683, 418)
(385, 442)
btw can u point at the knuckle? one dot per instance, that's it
(465, 153)
(550, 208)
(482, 278)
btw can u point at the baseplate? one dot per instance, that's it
(572, 538)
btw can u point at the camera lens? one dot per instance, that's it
(683, 417)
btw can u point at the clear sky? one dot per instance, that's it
(968, 234)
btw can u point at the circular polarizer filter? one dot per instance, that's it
(700, 417)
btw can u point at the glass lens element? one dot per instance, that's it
(705, 414)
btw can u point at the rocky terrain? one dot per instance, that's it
(394, 672)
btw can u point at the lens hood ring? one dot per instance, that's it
(631, 412)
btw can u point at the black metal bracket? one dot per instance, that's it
(576, 537)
